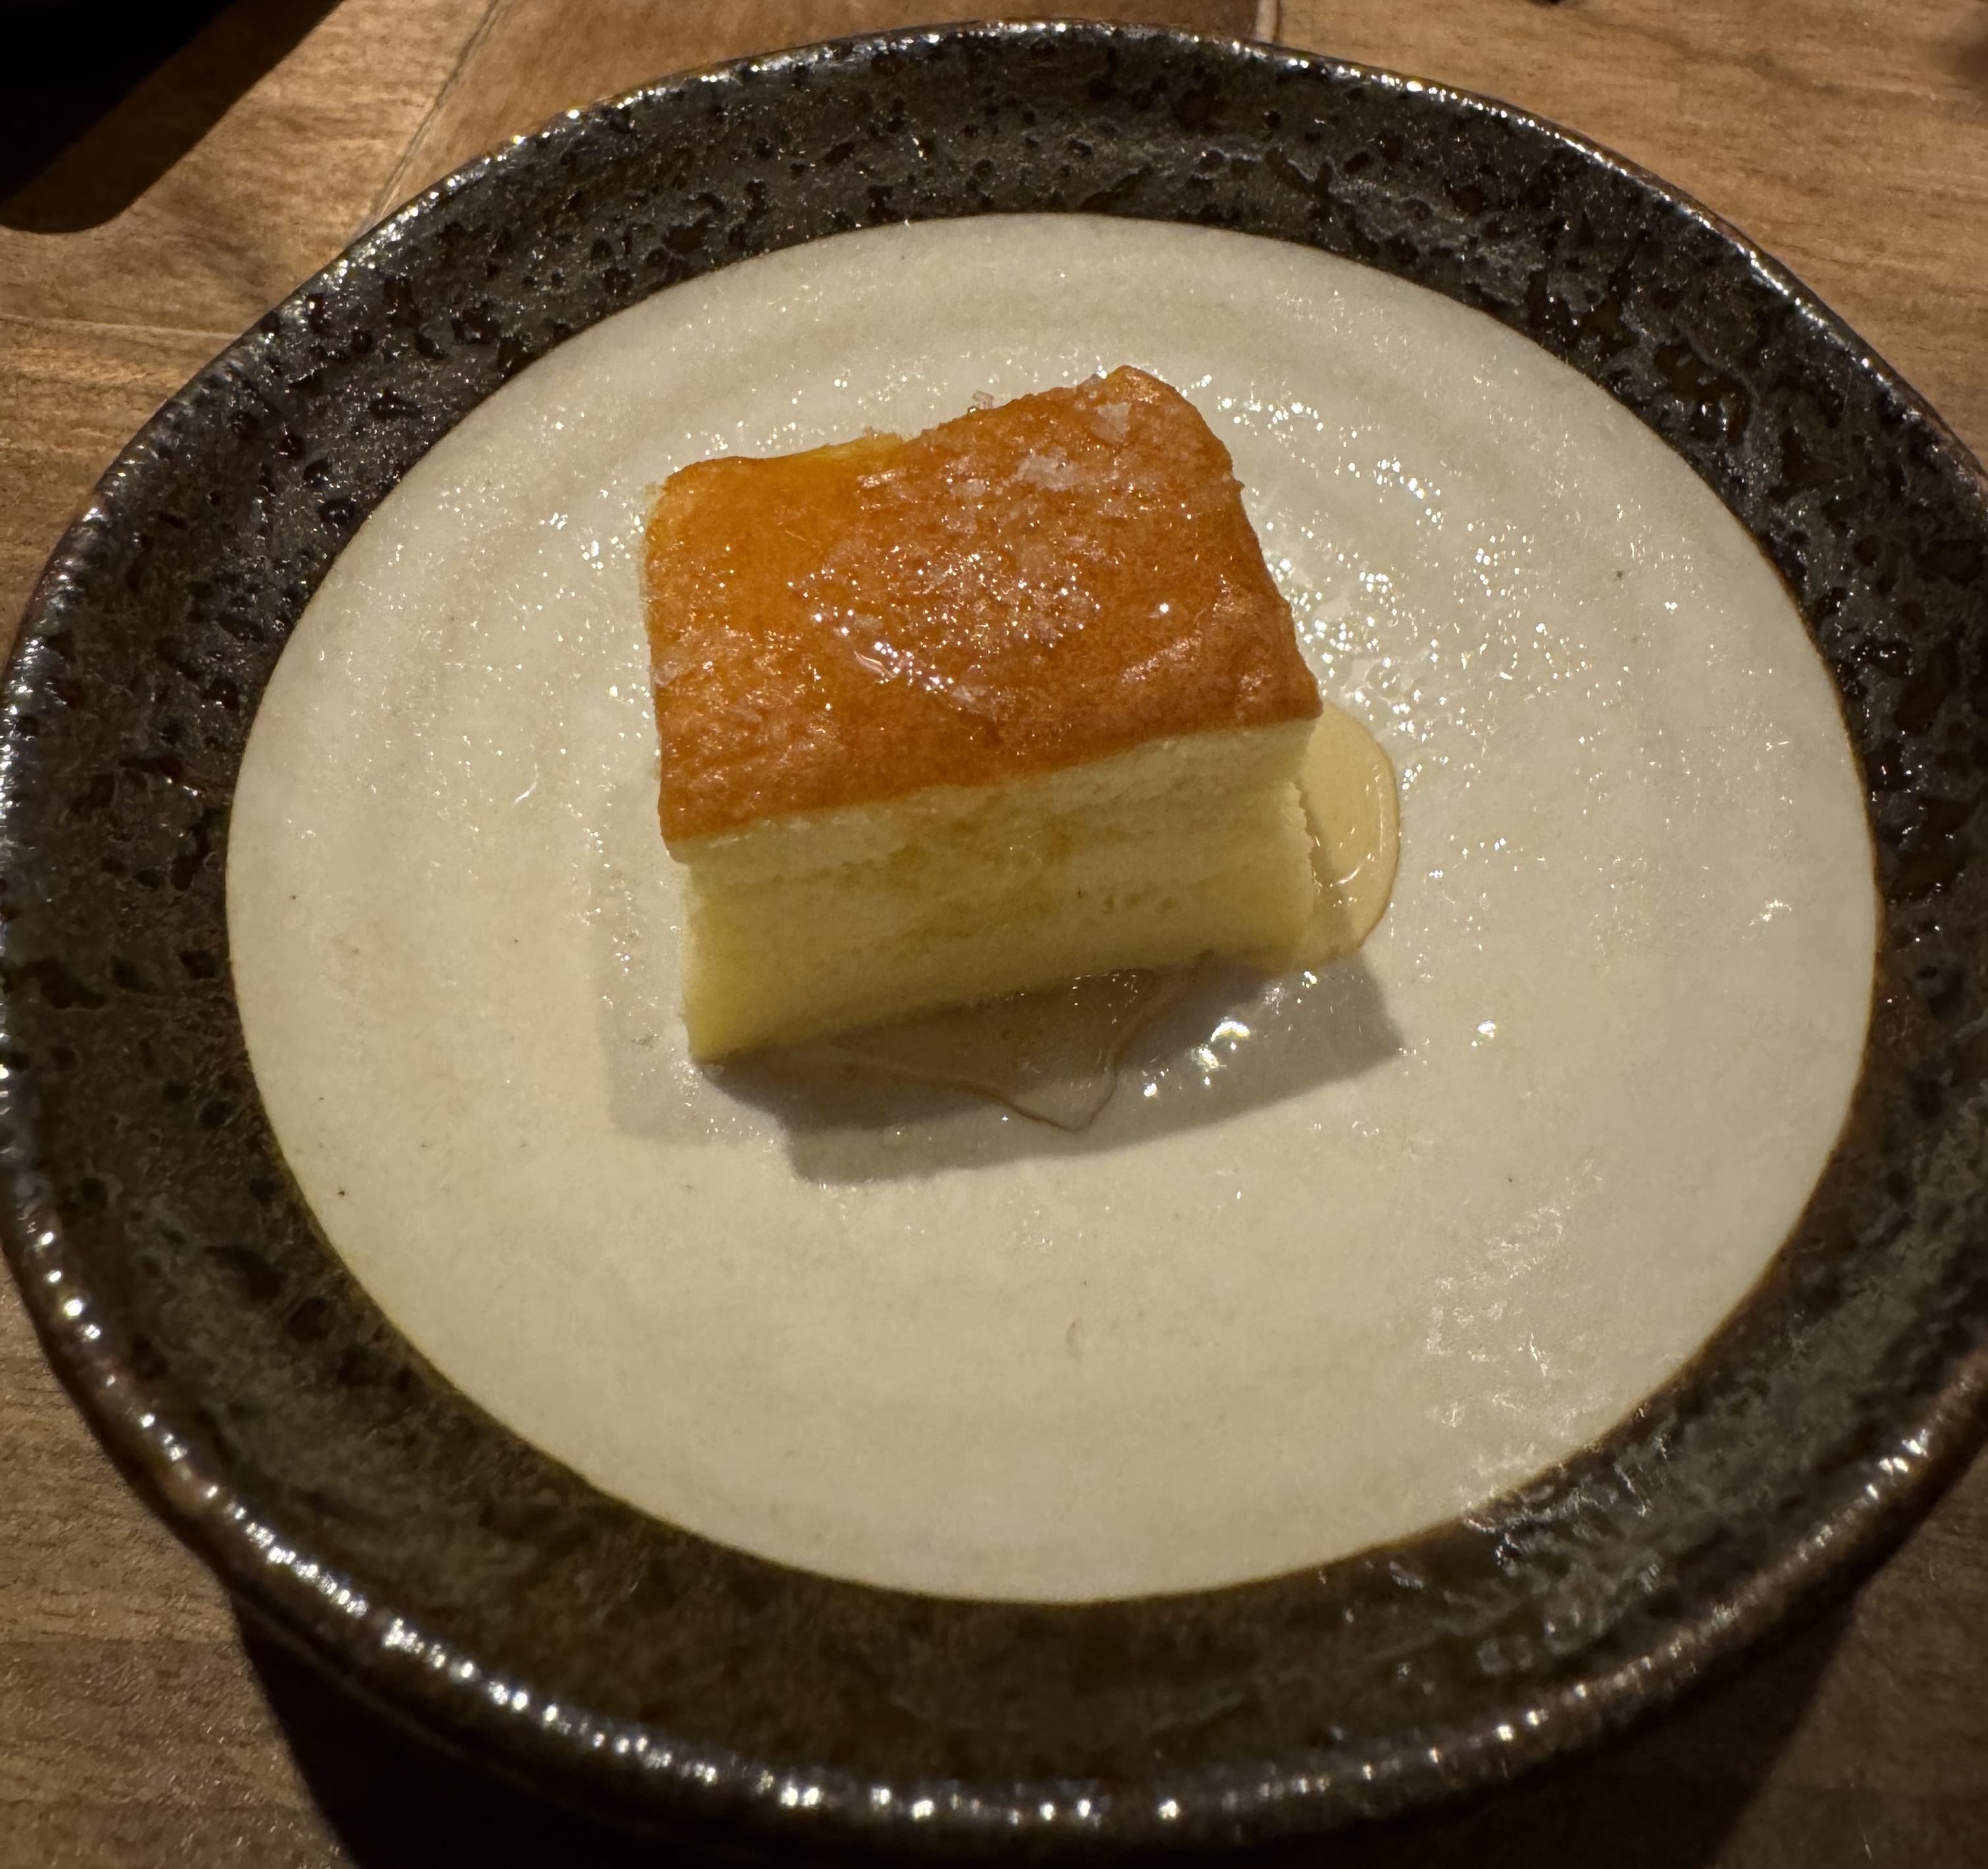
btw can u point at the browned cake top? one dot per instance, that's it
(1028, 587)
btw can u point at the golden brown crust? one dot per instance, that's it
(1027, 587)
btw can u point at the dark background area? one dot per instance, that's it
(98, 101)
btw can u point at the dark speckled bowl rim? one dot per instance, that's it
(1922, 1427)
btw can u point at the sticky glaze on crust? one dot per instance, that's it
(1027, 587)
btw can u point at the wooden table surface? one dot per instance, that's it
(139, 1724)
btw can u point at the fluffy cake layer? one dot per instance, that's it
(1032, 586)
(817, 922)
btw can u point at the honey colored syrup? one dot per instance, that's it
(1053, 1055)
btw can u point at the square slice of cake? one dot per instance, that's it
(1009, 702)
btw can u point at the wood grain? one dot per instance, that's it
(73, 393)
(533, 58)
(98, 327)
(272, 192)
(1852, 140)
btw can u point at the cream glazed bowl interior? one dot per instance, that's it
(1414, 1373)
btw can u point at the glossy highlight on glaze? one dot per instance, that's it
(1024, 588)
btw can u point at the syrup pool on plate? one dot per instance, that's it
(1056, 1054)
(1347, 1252)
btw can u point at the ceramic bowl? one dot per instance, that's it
(453, 1574)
